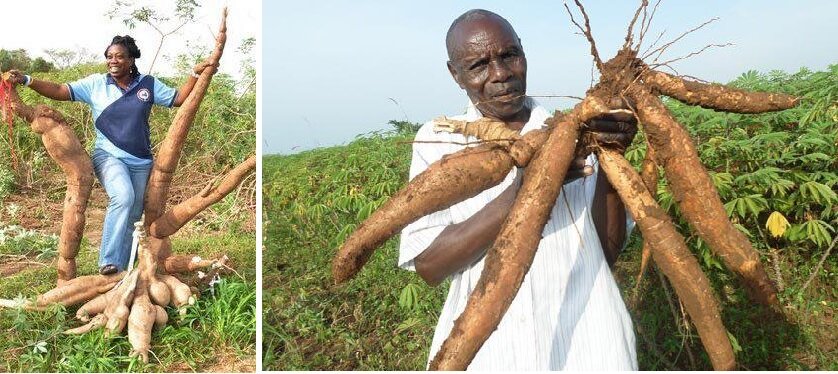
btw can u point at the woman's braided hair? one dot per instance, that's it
(131, 46)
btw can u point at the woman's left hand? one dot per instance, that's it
(16, 77)
(203, 65)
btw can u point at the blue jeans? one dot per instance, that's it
(125, 185)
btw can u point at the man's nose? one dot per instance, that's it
(499, 70)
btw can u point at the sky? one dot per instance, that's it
(83, 24)
(335, 69)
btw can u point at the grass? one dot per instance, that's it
(218, 333)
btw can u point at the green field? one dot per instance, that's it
(384, 318)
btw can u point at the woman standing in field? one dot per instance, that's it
(120, 101)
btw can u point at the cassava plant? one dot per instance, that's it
(628, 80)
(134, 299)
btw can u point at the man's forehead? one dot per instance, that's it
(484, 31)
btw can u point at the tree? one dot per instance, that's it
(16, 59)
(66, 57)
(39, 65)
(130, 13)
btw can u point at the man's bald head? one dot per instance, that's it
(456, 35)
(486, 60)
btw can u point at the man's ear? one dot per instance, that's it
(454, 74)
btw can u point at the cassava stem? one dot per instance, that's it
(485, 128)
(673, 258)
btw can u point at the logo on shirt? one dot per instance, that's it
(143, 94)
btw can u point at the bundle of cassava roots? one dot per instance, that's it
(547, 154)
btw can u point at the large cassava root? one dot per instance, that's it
(465, 174)
(673, 258)
(508, 261)
(716, 96)
(171, 221)
(649, 175)
(166, 160)
(70, 293)
(136, 303)
(64, 147)
(629, 80)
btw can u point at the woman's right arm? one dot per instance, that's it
(51, 90)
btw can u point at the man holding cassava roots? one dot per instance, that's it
(568, 313)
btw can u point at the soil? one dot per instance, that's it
(40, 208)
(43, 213)
(17, 265)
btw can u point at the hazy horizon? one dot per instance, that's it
(334, 70)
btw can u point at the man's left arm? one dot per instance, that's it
(614, 130)
(609, 216)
